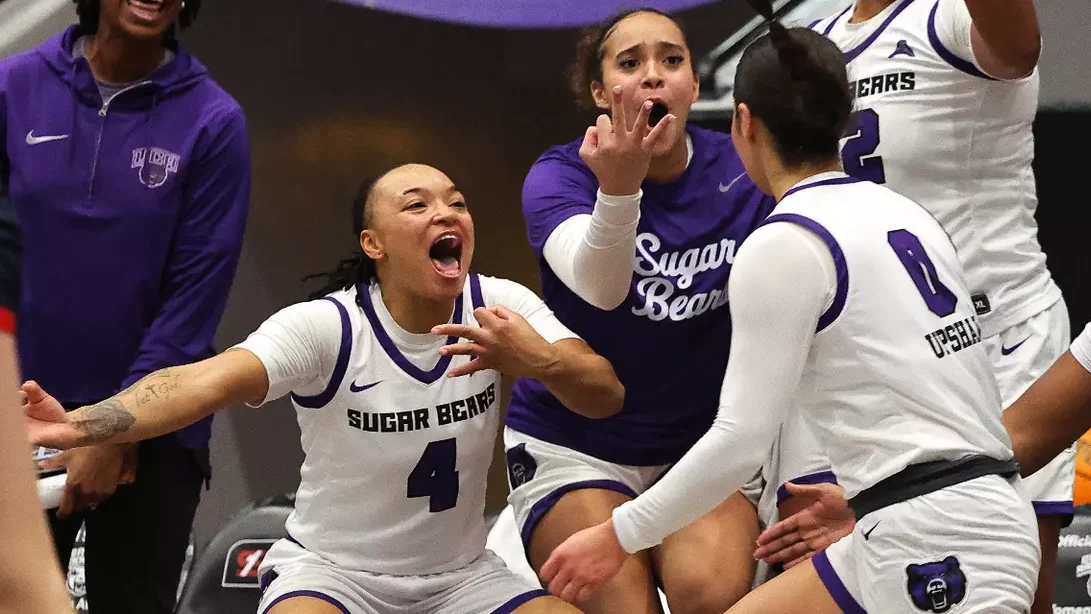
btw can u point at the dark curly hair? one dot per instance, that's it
(88, 13)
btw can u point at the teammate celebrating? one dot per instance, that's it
(946, 91)
(839, 304)
(636, 227)
(377, 409)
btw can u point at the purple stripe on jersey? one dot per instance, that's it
(338, 370)
(312, 594)
(822, 477)
(835, 586)
(1054, 508)
(267, 579)
(475, 291)
(363, 297)
(856, 51)
(515, 602)
(833, 22)
(833, 181)
(842, 293)
(546, 503)
(948, 55)
(814, 23)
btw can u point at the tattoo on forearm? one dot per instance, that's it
(111, 417)
(104, 420)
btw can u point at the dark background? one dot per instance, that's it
(336, 93)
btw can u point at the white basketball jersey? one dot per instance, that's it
(932, 126)
(396, 456)
(897, 373)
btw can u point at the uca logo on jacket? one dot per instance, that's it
(155, 165)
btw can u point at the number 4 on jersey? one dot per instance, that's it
(435, 476)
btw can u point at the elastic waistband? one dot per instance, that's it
(923, 478)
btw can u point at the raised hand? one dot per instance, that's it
(620, 152)
(505, 342)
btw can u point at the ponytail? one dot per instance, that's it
(358, 268)
(795, 81)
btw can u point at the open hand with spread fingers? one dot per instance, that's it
(618, 151)
(809, 531)
(505, 341)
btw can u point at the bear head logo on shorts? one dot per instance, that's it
(521, 465)
(936, 587)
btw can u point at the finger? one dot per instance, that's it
(486, 318)
(640, 128)
(460, 331)
(813, 490)
(586, 593)
(33, 391)
(653, 137)
(50, 464)
(460, 349)
(590, 140)
(473, 366)
(791, 553)
(617, 111)
(504, 313)
(779, 530)
(571, 592)
(68, 500)
(549, 569)
(777, 545)
(605, 128)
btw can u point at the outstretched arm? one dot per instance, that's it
(1001, 36)
(159, 403)
(780, 284)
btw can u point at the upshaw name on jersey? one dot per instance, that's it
(419, 419)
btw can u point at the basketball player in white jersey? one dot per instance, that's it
(946, 91)
(397, 423)
(845, 297)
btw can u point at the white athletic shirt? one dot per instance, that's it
(396, 452)
(885, 381)
(1081, 348)
(934, 127)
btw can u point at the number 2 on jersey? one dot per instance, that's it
(858, 154)
(435, 476)
(938, 297)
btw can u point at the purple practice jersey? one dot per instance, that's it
(670, 339)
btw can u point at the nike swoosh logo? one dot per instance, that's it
(37, 140)
(1005, 351)
(867, 534)
(354, 388)
(724, 188)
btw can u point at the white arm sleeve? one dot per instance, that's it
(526, 303)
(781, 282)
(1081, 348)
(593, 254)
(298, 346)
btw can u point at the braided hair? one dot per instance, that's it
(358, 268)
(795, 81)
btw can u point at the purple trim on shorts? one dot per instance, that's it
(314, 594)
(856, 51)
(266, 579)
(822, 477)
(546, 503)
(425, 377)
(949, 56)
(839, 263)
(515, 602)
(1065, 509)
(475, 291)
(841, 595)
(343, 353)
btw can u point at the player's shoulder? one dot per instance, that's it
(560, 163)
(506, 292)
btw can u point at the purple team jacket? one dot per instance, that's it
(132, 217)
